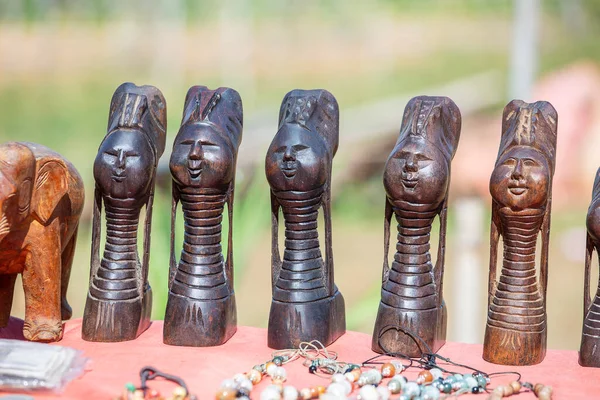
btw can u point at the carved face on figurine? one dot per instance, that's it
(124, 165)
(521, 179)
(417, 172)
(202, 157)
(297, 159)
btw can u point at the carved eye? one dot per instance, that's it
(528, 162)
(187, 142)
(112, 153)
(131, 154)
(299, 147)
(422, 157)
(281, 149)
(510, 162)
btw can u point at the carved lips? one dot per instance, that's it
(516, 188)
(118, 177)
(289, 168)
(195, 168)
(409, 181)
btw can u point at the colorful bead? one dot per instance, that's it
(226, 394)
(447, 387)
(388, 370)
(394, 386)
(270, 368)
(516, 385)
(430, 393)
(481, 381)
(254, 376)
(130, 387)
(279, 375)
(424, 377)
(398, 365)
(278, 361)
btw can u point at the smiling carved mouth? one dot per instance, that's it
(289, 168)
(518, 190)
(118, 178)
(195, 168)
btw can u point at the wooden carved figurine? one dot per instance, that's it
(416, 178)
(306, 302)
(201, 305)
(589, 353)
(41, 199)
(120, 299)
(521, 189)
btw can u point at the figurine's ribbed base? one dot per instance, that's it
(510, 347)
(589, 353)
(428, 325)
(199, 323)
(292, 323)
(116, 321)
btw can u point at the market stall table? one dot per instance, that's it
(112, 365)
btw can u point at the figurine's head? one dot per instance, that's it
(302, 151)
(593, 214)
(128, 155)
(205, 149)
(124, 165)
(418, 169)
(522, 177)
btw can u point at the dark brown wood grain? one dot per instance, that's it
(521, 189)
(589, 352)
(41, 198)
(412, 314)
(307, 304)
(201, 309)
(119, 300)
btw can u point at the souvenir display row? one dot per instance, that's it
(42, 200)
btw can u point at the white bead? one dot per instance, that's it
(331, 396)
(349, 377)
(384, 392)
(228, 384)
(239, 377)
(348, 387)
(472, 382)
(399, 367)
(271, 369)
(279, 373)
(411, 389)
(436, 372)
(377, 376)
(430, 393)
(270, 393)
(290, 393)
(245, 383)
(338, 378)
(337, 389)
(368, 392)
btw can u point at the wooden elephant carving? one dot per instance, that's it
(41, 199)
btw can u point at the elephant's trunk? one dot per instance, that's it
(301, 278)
(200, 274)
(410, 284)
(517, 303)
(116, 277)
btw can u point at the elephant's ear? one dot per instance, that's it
(50, 187)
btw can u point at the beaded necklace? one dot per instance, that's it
(364, 381)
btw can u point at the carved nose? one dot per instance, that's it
(288, 155)
(410, 165)
(518, 171)
(121, 159)
(196, 152)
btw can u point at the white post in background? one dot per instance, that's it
(524, 56)
(469, 285)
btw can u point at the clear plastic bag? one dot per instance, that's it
(38, 366)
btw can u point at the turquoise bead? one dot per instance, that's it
(451, 379)
(481, 381)
(447, 387)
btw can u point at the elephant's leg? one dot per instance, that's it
(7, 286)
(41, 282)
(66, 263)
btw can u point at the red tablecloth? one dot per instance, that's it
(114, 364)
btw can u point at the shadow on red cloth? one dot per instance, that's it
(14, 329)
